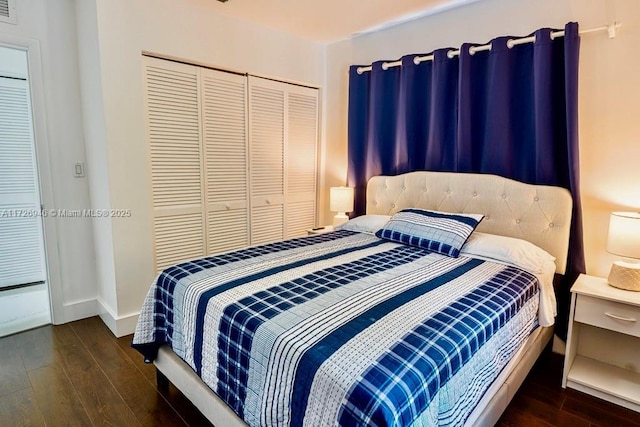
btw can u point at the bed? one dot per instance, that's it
(352, 329)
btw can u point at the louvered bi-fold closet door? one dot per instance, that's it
(224, 100)
(21, 238)
(266, 157)
(173, 125)
(301, 160)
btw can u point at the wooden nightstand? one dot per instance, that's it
(603, 345)
(325, 229)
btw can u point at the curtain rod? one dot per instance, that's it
(611, 28)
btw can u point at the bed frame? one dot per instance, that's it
(539, 214)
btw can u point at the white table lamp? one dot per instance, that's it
(624, 240)
(341, 201)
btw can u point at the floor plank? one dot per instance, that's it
(185, 408)
(147, 369)
(20, 409)
(542, 398)
(600, 414)
(57, 400)
(37, 346)
(604, 406)
(148, 405)
(80, 374)
(103, 403)
(518, 418)
(549, 413)
(13, 374)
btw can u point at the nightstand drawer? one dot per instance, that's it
(608, 315)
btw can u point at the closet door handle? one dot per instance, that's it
(624, 319)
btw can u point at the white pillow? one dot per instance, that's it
(509, 250)
(365, 223)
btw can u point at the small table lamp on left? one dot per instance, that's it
(341, 201)
(624, 240)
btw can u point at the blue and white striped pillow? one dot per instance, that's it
(440, 232)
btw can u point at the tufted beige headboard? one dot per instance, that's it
(537, 213)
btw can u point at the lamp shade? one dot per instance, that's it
(341, 199)
(624, 234)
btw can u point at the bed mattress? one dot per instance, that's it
(342, 328)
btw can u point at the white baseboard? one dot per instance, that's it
(77, 310)
(119, 325)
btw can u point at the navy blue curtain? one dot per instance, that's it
(508, 111)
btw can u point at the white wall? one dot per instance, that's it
(52, 24)
(96, 149)
(188, 29)
(609, 91)
(13, 63)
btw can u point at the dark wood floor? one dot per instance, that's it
(79, 374)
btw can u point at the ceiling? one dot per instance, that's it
(331, 20)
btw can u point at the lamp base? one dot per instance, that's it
(340, 219)
(625, 275)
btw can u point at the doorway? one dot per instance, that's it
(24, 293)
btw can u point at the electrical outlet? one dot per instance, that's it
(78, 170)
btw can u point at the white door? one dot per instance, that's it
(24, 297)
(266, 159)
(175, 148)
(300, 159)
(283, 125)
(224, 139)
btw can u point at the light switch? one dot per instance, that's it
(78, 170)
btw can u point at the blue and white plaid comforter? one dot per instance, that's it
(342, 329)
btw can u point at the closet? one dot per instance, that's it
(282, 151)
(233, 159)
